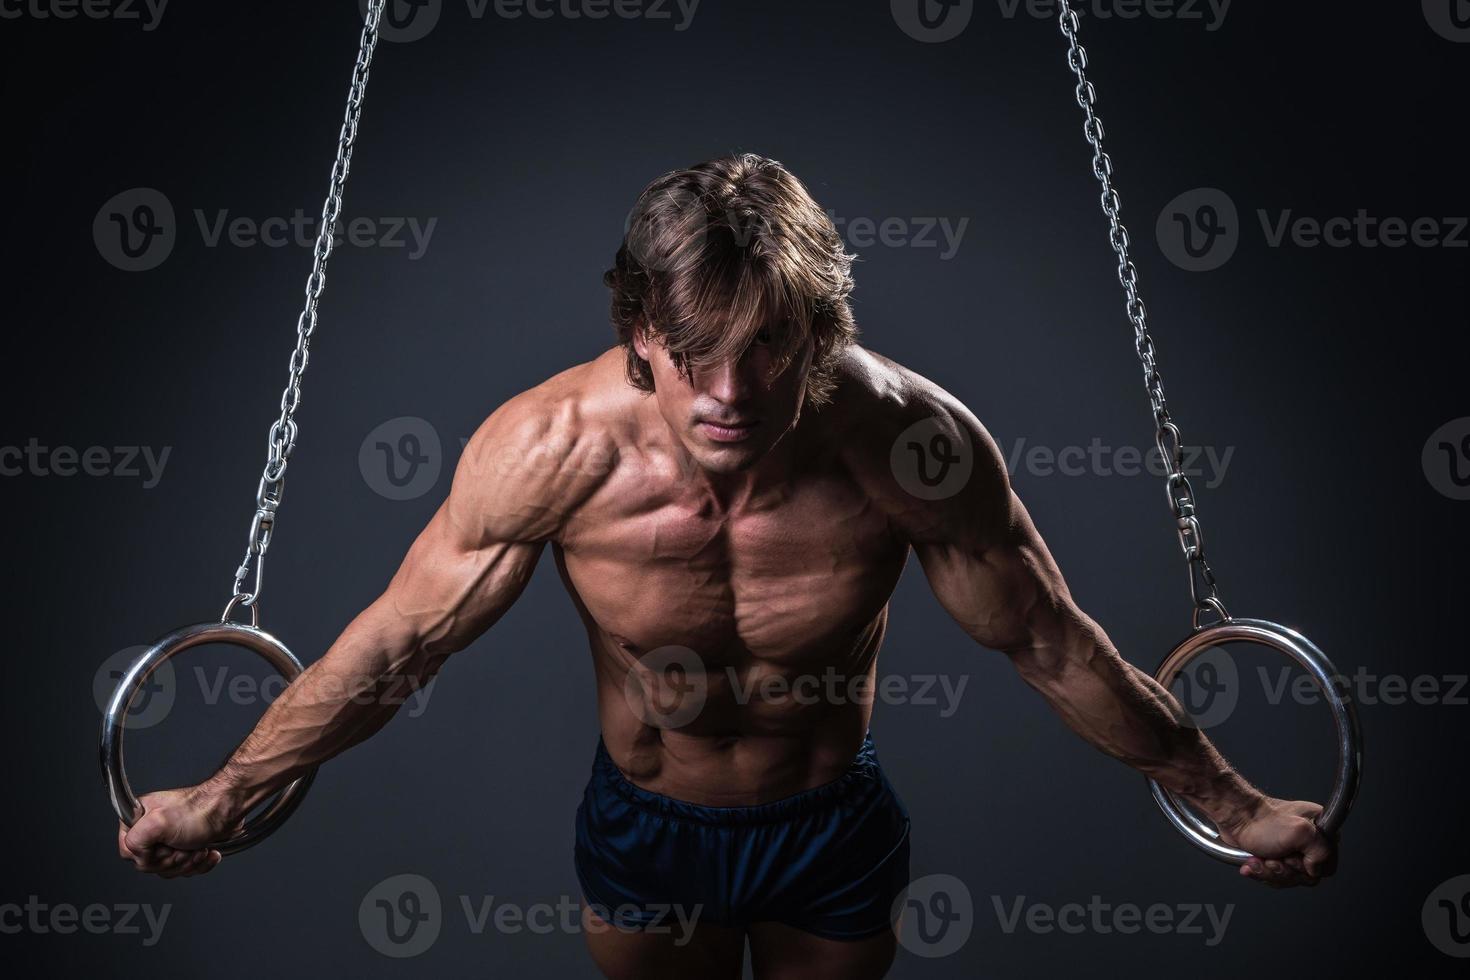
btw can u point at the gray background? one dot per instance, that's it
(1326, 369)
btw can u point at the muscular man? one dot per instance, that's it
(730, 496)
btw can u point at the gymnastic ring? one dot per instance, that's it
(1196, 828)
(114, 719)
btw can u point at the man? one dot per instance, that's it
(731, 495)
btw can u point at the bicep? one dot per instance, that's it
(983, 556)
(1003, 588)
(476, 555)
(452, 586)
(987, 563)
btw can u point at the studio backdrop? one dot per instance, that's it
(1292, 179)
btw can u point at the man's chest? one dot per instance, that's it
(784, 583)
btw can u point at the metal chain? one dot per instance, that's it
(282, 440)
(1203, 588)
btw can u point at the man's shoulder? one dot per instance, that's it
(583, 401)
(557, 440)
(917, 449)
(879, 397)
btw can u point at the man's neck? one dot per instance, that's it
(766, 482)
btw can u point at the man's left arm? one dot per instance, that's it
(992, 572)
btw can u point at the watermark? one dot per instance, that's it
(1210, 14)
(932, 21)
(1363, 230)
(934, 232)
(1446, 917)
(402, 458)
(1366, 688)
(137, 230)
(401, 916)
(669, 686)
(937, 21)
(156, 697)
(146, 13)
(1446, 459)
(932, 459)
(301, 230)
(404, 915)
(1450, 19)
(934, 916)
(406, 21)
(408, 691)
(144, 463)
(1210, 686)
(833, 687)
(1099, 917)
(1100, 459)
(1200, 230)
(37, 918)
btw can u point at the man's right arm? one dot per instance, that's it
(512, 489)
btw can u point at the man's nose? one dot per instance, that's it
(730, 381)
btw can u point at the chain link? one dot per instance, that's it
(1203, 588)
(282, 439)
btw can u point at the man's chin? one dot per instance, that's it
(733, 457)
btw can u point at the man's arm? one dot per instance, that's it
(512, 488)
(992, 572)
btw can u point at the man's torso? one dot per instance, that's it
(774, 605)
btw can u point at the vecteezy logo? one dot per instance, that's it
(932, 21)
(135, 230)
(1446, 459)
(401, 459)
(667, 687)
(1208, 688)
(401, 916)
(1199, 230)
(934, 916)
(932, 460)
(1446, 917)
(1449, 18)
(404, 21)
(153, 701)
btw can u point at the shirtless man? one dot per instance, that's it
(730, 496)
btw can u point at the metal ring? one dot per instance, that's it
(114, 719)
(1196, 828)
(1209, 602)
(246, 599)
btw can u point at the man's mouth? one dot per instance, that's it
(728, 431)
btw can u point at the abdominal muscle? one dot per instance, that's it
(762, 731)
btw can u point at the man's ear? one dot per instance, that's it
(640, 339)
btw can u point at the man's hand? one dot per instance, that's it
(169, 838)
(1289, 849)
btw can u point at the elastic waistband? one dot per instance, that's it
(860, 778)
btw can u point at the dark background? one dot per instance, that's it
(1326, 369)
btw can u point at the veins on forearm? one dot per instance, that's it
(1127, 715)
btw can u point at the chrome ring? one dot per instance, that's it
(114, 720)
(1196, 828)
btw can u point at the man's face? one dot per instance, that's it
(730, 415)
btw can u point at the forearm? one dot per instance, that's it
(1125, 713)
(342, 699)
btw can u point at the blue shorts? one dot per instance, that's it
(829, 861)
